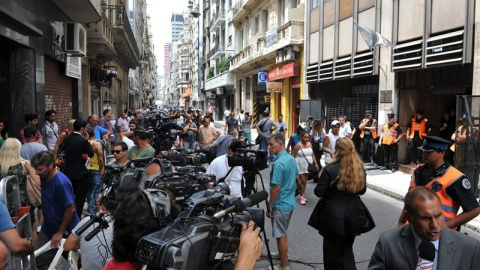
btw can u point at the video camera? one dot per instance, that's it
(205, 236)
(250, 160)
(165, 130)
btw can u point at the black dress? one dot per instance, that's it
(341, 217)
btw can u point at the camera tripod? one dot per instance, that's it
(250, 178)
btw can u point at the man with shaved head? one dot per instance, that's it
(100, 133)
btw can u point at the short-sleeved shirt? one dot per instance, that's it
(28, 150)
(295, 140)
(284, 173)
(246, 125)
(192, 136)
(266, 125)
(21, 135)
(207, 133)
(56, 195)
(223, 142)
(232, 124)
(123, 124)
(219, 167)
(345, 129)
(136, 152)
(99, 132)
(104, 122)
(5, 219)
(50, 133)
(281, 127)
(90, 249)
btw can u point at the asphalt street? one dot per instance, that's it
(305, 244)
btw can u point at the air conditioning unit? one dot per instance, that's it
(211, 95)
(289, 54)
(279, 56)
(75, 39)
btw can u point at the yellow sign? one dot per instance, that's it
(274, 87)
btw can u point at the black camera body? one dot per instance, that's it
(182, 185)
(165, 131)
(250, 160)
(196, 239)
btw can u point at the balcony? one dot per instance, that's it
(291, 33)
(100, 40)
(218, 19)
(226, 79)
(123, 38)
(216, 52)
(82, 11)
(241, 9)
(184, 67)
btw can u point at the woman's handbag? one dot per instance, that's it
(34, 192)
(311, 167)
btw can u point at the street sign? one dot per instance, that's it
(262, 76)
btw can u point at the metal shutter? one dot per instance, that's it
(58, 91)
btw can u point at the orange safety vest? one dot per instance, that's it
(420, 127)
(374, 133)
(449, 207)
(389, 134)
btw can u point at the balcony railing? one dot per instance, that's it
(237, 7)
(217, 16)
(217, 48)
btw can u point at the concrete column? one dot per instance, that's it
(386, 78)
(476, 53)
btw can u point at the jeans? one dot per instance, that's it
(189, 145)
(93, 191)
(264, 146)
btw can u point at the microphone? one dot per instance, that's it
(94, 218)
(240, 205)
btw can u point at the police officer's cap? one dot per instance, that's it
(464, 117)
(390, 115)
(368, 112)
(419, 112)
(432, 143)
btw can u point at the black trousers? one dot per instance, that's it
(390, 155)
(367, 148)
(338, 253)
(80, 187)
(412, 150)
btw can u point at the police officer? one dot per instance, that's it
(391, 135)
(451, 185)
(368, 134)
(418, 128)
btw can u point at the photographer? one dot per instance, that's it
(191, 128)
(223, 142)
(98, 245)
(231, 176)
(133, 219)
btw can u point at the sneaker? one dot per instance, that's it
(303, 201)
(393, 170)
(275, 255)
(277, 267)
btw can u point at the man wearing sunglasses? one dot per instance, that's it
(120, 153)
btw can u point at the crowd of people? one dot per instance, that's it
(69, 163)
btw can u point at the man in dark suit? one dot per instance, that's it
(425, 243)
(77, 151)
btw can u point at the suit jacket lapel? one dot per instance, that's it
(409, 248)
(446, 250)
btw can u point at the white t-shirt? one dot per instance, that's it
(219, 167)
(331, 145)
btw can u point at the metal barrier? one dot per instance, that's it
(23, 226)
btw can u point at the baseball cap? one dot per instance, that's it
(335, 122)
(390, 115)
(368, 112)
(432, 143)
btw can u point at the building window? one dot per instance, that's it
(229, 40)
(314, 3)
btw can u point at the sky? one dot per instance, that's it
(160, 12)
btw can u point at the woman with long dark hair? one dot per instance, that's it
(341, 214)
(317, 134)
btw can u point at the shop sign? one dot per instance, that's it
(272, 36)
(220, 91)
(274, 87)
(73, 67)
(285, 71)
(262, 76)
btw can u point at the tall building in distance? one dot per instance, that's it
(166, 59)
(177, 25)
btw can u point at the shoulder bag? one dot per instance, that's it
(311, 167)
(34, 192)
(258, 140)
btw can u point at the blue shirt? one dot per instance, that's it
(295, 139)
(99, 132)
(5, 219)
(284, 173)
(56, 195)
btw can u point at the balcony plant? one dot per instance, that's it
(224, 65)
(210, 72)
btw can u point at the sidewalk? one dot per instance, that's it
(396, 185)
(391, 184)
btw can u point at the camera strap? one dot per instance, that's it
(225, 177)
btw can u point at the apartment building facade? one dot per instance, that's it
(267, 58)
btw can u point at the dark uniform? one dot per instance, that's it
(390, 133)
(367, 148)
(419, 128)
(451, 185)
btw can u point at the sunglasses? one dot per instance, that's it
(116, 151)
